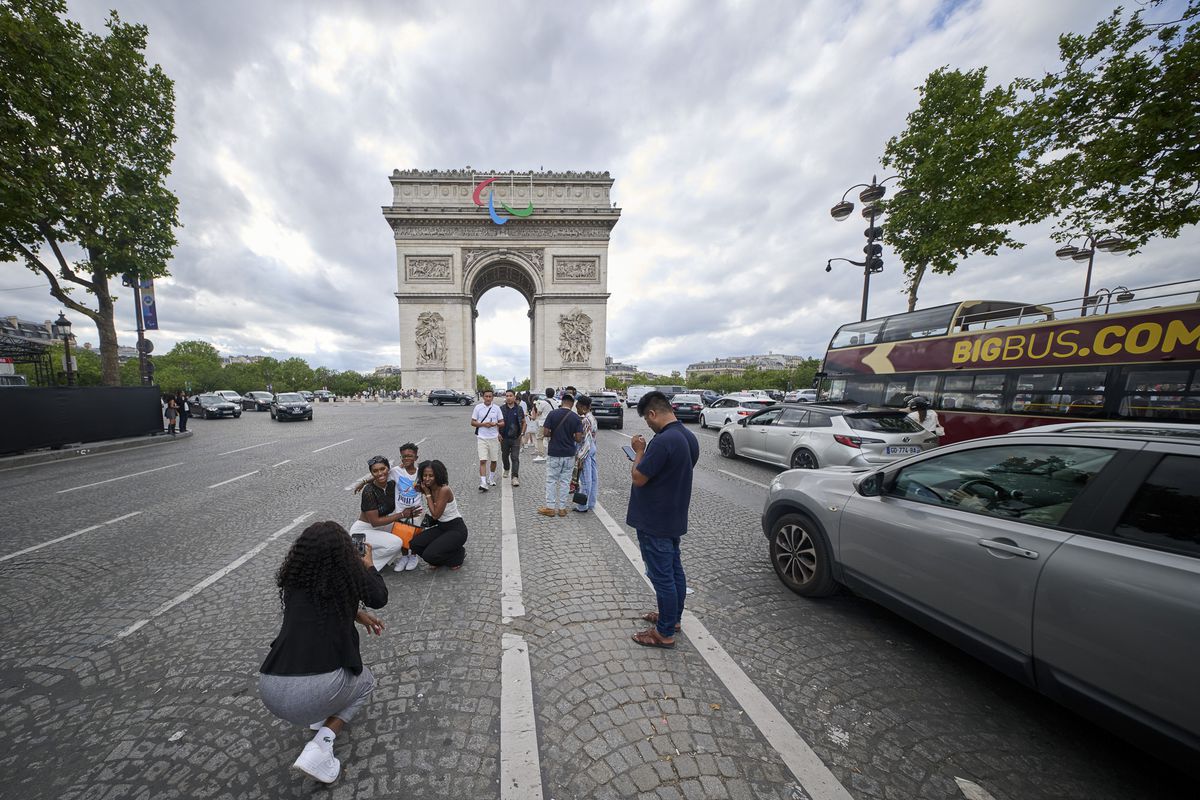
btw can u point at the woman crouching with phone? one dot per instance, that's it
(314, 674)
(444, 533)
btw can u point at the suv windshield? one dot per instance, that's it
(290, 398)
(686, 398)
(882, 422)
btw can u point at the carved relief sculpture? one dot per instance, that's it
(575, 337)
(427, 268)
(431, 338)
(576, 269)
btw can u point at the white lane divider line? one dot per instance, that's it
(520, 763)
(251, 447)
(88, 529)
(231, 480)
(335, 444)
(972, 790)
(281, 463)
(120, 478)
(740, 478)
(626, 435)
(511, 603)
(82, 455)
(211, 579)
(805, 765)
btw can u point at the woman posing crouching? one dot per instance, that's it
(314, 674)
(441, 542)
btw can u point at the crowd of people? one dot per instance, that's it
(314, 675)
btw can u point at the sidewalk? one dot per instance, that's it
(77, 450)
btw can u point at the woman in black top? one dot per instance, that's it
(314, 674)
(379, 512)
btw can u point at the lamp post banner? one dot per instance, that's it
(149, 309)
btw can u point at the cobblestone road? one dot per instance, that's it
(129, 652)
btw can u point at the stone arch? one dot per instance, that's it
(502, 268)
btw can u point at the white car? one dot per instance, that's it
(731, 408)
(801, 396)
(230, 395)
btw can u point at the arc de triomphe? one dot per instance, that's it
(544, 234)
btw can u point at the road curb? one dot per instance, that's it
(87, 449)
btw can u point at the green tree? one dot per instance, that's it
(241, 378)
(968, 169)
(293, 374)
(197, 364)
(523, 386)
(1120, 118)
(347, 383)
(86, 128)
(482, 384)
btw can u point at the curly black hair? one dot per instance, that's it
(324, 562)
(440, 476)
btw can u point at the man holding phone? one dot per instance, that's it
(658, 511)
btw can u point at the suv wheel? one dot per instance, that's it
(725, 445)
(800, 556)
(804, 459)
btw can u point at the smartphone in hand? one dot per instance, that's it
(360, 543)
(629, 452)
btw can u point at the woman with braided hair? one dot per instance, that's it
(314, 674)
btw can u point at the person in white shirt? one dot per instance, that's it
(544, 406)
(925, 416)
(486, 419)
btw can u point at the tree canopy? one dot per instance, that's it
(86, 131)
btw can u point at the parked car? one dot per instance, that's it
(257, 401)
(708, 396)
(810, 436)
(801, 396)
(1066, 556)
(213, 406)
(687, 406)
(291, 405)
(324, 395)
(731, 408)
(440, 397)
(309, 397)
(230, 395)
(13, 380)
(634, 393)
(608, 410)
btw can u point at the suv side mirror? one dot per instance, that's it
(870, 485)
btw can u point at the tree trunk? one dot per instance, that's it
(106, 327)
(914, 283)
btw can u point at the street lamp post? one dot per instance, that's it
(872, 261)
(62, 327)
(1091, 242)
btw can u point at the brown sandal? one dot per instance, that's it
(650, 638)
(652, 616)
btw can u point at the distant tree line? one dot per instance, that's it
(799, 377)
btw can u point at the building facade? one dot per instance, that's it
(736, 365)
(618, 370)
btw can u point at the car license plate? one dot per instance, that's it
(896, 450)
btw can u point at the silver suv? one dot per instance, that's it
(1066, 556)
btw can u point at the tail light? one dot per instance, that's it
(849, 441)
(744, 413)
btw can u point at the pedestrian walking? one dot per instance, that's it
(511, 433)
(486, 419)
(314, 674)
(585, 455)
(544, 404)
(171, 412)
(443, 530)
(658, 511)
(184, 409)
(563, 431)
(378, 513)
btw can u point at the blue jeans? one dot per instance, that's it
(587, 481)
(558, 481)
(665, 570)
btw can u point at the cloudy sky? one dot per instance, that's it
(730, 128)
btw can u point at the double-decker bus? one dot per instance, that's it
(992, 366)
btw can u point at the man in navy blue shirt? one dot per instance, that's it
(658, 511)
(564, 430)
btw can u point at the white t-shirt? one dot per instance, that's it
(407, 495)
(544, 406)
(486, 413)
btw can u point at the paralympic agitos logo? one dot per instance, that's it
(491, 202)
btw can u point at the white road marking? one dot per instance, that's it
(804, 764)
(121, 478)
(335, 444)
(520, 763)
(281, 463)
(88, 529)
(85, 454)
(511, 603)
(231, 480)
(626, 435)
(973, 791)
(251, 447)
(740, 478)
(421, 442)
(211, 579)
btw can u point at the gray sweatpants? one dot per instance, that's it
(305, 699)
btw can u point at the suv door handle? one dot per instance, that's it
(1007, 547)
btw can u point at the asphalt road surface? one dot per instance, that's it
(137, 601)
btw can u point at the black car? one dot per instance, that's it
(324, 395)
(290, 405)
(687, 406)
(256, 401)
(440, 397)
(608, 410)
(709, 396)
(213, 406)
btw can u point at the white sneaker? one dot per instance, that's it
(411, 562)
(398, 563)
(316, 726)
(491, 481)
(318, 763)
(506, 473)
(539, 458)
